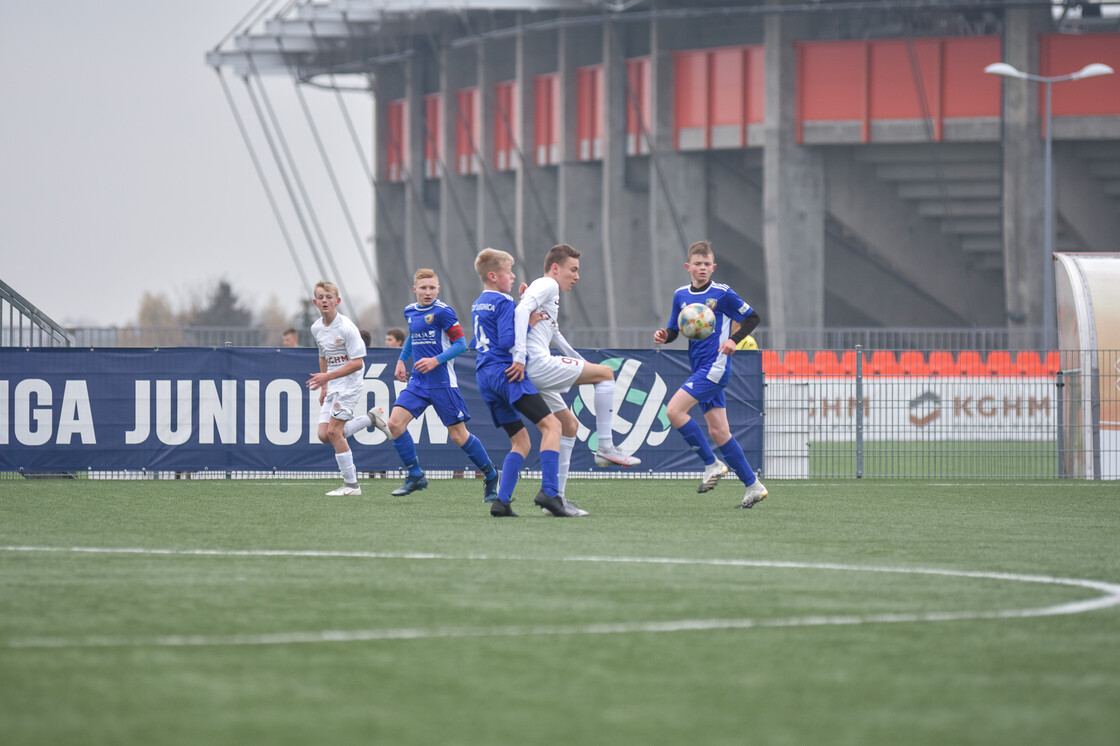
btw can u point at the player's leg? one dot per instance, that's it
(733, 452)
(342, 409)
(677, 411)
(602, 378)
(453, 413)
(520, 444)
(373, 418)
(408, 406)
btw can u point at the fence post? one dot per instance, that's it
(1060, 385)
(859, 411)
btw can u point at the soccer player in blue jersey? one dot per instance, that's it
(434, 340)
(506, 390)
(710, 360)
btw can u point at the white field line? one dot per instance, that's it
(1110, 597)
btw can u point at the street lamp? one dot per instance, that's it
(1089, 71)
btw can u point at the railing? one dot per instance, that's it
(178, 336)
(996, 416)
(24, 325)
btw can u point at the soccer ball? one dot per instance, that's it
(696, 321)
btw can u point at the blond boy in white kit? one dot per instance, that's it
(339, 382)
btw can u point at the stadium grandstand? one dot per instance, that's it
(852, 163)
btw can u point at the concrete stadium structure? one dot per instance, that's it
(851, 162)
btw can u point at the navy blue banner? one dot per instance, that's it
(248, 409)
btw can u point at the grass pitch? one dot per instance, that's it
(264, 612)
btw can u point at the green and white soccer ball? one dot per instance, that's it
(696, 321)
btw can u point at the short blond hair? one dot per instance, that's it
(701, 248)
(423, 274)
(330, 287)
(491, 260)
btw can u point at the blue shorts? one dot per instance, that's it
(448, 403)
(500, 393)
(707, 393)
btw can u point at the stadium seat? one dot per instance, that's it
(971, 364)
(1000, 363)
(1029, 363)
(1053, 363)
(883, 363)
(825, 363)
(913, 363)
(848, 363)
(797, 362)
(772, 364)
(942, 363)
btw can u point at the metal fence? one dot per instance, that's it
(24, 325)
(177, 336)
(1001, 421)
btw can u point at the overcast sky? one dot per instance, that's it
(122, 169)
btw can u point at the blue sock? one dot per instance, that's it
(477, 453)
(737, 460)
(406, 449)
(550, 472)
(510, 471)
(694, 436)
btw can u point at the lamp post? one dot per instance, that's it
(1003, 69)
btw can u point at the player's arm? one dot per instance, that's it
(457, 348)
(670, 332)
(320, 379)
(401, 373)
(564, 345)
(521, 315)
(738, 310)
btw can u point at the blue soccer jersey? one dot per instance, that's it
(431, 330)
(492, 315)
(704, 355)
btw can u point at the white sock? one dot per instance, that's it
(567, 445)
(604, 413)
(346, 466)
(358, 423)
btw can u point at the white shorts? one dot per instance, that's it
(340, 405)
(553, 376)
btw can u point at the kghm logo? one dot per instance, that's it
(639, 408)
(924, 409)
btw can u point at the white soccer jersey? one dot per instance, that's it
(338, 344)
(536, 342)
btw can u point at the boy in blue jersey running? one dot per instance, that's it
(710, 360)
(506, 390)
(434, 340)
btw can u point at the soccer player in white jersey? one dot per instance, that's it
(553, 375)
(339, 382)
(710, 360)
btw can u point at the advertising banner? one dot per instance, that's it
(193, 409)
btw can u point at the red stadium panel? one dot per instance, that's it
(1061, 55)
(756, 85)
(396, 139)
(546, 122)
(638, 106)
(727, 98)
(832, 83)
(1053, 364)
(589, 113)
(466, 131)
(968, 90)
(825, 363)
(505, 125)
(690, 100)
(433, 105)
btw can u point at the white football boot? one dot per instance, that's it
(756, 493)
(607, 456)
(712, 475)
